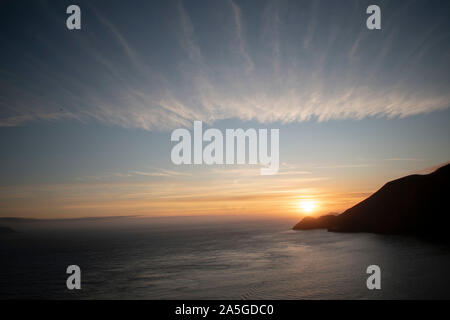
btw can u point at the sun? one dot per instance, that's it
(307, 206)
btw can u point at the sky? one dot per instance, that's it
(86, 115)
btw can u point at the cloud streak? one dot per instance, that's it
(189, 70)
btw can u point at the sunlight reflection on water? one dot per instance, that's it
(233, 261)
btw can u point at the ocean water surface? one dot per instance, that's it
(194, 258)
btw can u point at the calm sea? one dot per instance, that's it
(142, 258)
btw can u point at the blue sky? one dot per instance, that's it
(95, 107)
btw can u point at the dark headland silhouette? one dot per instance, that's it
(412, 205)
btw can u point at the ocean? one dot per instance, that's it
(198, 258)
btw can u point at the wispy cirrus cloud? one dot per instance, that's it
(237, 17)
(161, 173)
(404, 159)
(268, 68)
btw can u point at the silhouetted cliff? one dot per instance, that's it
(416, 205)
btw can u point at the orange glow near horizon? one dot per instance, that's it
(219, 192)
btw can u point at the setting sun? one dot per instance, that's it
(307, 206)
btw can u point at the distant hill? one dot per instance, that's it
(415, 205)
(309, 223)
(6, 230)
